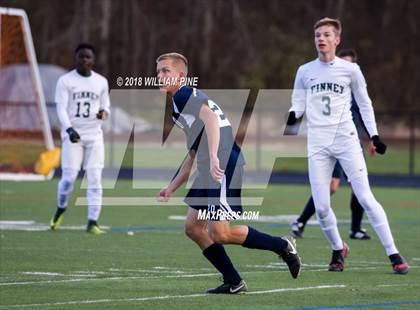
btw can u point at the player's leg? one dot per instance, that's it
(357, 211)
(94, 199)
(227, 206)
(197, 230)
(71, 160)
(354, 166)
(298, 226)
(93, 164)
(320, 168)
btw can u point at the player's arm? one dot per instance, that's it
(359, 89)
(211, 123)
(298, 106)
(104, 103)
(62, 101)
(180, 178)
(357, 118)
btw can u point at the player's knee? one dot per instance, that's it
(66, 185)
(95, 191)
(367, 201)
(94, 180)
(193, 232)
(219, 236)
(322, 212)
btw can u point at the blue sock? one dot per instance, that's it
(217, 255)
(262, 241)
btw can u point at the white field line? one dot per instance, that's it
(17, 222)
(109, 300)
(400, 284)
(107, 279)
(33, 226)
(56, 274)
(193, 275)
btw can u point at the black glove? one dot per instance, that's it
(380, 147)
(102, 114)
(74, 136)
(292, 118)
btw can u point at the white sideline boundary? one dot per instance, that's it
(109, 300)
(83, 278)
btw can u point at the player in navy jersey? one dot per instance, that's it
(356, 231)
(216, 190)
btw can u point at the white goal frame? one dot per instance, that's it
(39, 93)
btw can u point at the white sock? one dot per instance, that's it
(329, 228)
(375, 213)
(325, 215)
(94, 193)
(65, 187)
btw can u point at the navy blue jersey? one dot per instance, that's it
(186, 104)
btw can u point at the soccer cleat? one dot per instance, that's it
(291, 257)
(227, 288)
(359, 235)
(95, 230)
(297, 229)
(56, 225)
(399, 265)
(337, 260)
(401, 268)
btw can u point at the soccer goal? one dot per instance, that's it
(26, 144)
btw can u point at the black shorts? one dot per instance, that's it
(221, 201)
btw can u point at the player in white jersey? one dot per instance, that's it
(323, 90)
(82, 105)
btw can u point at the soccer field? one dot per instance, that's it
(157, 267)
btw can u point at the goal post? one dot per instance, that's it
(25, 132)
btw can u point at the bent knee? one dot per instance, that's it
(219, 237)
(193, 232)
(322, 212)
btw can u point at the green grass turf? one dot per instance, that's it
(396, 160)
(146, 270)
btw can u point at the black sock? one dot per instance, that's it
(58, 212)
(356, 213)
(307, 212)
(396, 259)
(217, 255)
(92, 222)
(262, 241)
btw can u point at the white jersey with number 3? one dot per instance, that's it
(79, 99)
(322, 91)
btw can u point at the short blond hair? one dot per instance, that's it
(326, 21)
(177, 57)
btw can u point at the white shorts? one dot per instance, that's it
(347, 150)
(90, 153)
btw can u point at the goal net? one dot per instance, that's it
(25, 132)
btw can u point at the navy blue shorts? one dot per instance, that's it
(222, 201)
